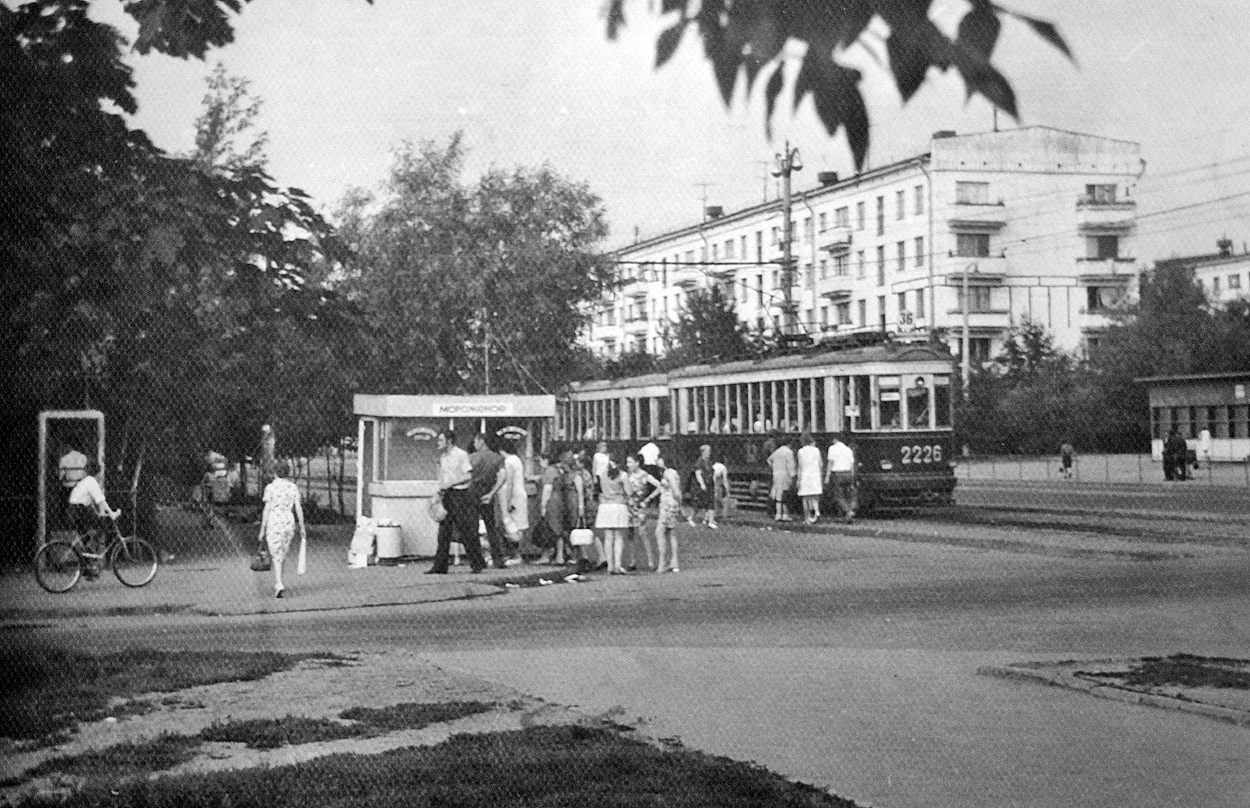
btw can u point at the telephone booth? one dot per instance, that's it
(397, 460)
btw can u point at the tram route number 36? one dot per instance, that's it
(913, 455)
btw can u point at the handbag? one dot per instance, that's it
(261, 562)
(581, 535)
(438, 511)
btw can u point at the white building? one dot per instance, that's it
(1041, 220)
(1223, 276)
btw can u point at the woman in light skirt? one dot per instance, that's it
(613, 516)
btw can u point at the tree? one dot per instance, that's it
(128, 270)
(708, 330)
(459, 281)
(744, 37)
(222, 138)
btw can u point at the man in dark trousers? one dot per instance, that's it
(454, 477)
(1175, 456)
(487, 466)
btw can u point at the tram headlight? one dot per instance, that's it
(886, 465)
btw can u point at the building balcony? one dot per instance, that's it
(835, 239)
(638, 325)
(606, 332)
(1106, 217)
(967, 218)
(982, 271)
(837, 287)
(1116, 266)
(993, 321)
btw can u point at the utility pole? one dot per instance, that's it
(784, 165)
(967, 354)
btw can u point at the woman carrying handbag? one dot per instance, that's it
(277, 524)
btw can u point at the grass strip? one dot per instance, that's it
(414, 715)
(46, 692)
(124, 760)
(540, 766)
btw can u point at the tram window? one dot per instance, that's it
(942, 400)
(819, 421)
(862, 405)
(918, 404)
(889, 413)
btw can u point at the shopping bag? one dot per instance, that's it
(581, 536)
(261, 561)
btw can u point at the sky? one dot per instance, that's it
(344, 83)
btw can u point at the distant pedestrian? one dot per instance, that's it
(612, 516)
(783, 466)
(701, 488)
(513, 501)
(551, 509)
(1175, 456)
(455, 474)
(669, 494)
(720, 487)
(1066, 455)
(840, 477)
(1204, 446)
(808, 461)
(641, 485)
(599, 464)
(283, 511)
(486, 467)
(88, 509)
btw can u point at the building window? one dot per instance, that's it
(972, 193)
(759, 291)
(841, 265)
(881, 310)
(1100, 194)
(881, 265)
(902, 305)
(807, 229)
(776, 236)
(689, 256)
(1102, 298)
(823, 222)
(920, 304)
(808, 278)
(919, 251)
(824, 268)
(1234, 281)
(978, 298)
(759, 246)
(972, 245)
(863, 312)
(859, 215)
(900, 204)
(729, 248)
(1215, 286)
(715, 252)
(1102, 248)
(742, 243)
(844, 313)
(859, 258)
(919, 200)
(842, 217)
(881, 216)
(902, 257)
(824, 317)
(776, 279)
(978, 349)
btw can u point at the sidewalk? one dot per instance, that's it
(214, 579)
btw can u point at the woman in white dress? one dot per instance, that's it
(613, 516)
(513, 498)
(809, 479)
(277, 523)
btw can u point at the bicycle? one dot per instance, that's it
(59, 564)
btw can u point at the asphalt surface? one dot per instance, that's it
(842, 656)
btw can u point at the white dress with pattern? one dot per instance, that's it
(280, 498)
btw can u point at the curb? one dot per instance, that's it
(1125, 695)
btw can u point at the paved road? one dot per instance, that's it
(849, 660)
(1194, 498)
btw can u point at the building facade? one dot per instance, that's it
(1034, 223)
(1224, 276)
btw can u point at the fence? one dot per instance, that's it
(1101, 468)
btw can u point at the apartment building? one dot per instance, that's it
(1034, 222)
(1224, 276)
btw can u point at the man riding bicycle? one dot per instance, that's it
(87, 510)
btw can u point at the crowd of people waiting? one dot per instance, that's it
(594, 510)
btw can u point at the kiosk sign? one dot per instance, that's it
(473, 409)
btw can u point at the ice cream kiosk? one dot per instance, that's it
(397, 455)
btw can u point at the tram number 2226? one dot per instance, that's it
(919, 455)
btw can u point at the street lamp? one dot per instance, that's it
(783, 165)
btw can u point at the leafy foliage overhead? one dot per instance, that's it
(747, 38)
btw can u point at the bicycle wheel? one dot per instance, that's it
(134, 561)
(58, 566)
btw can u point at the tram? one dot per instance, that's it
(891, 402)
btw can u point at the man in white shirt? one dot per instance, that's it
(840, 477)
(599, 464)
(87, 510)
(455, 473)
(650, 453)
